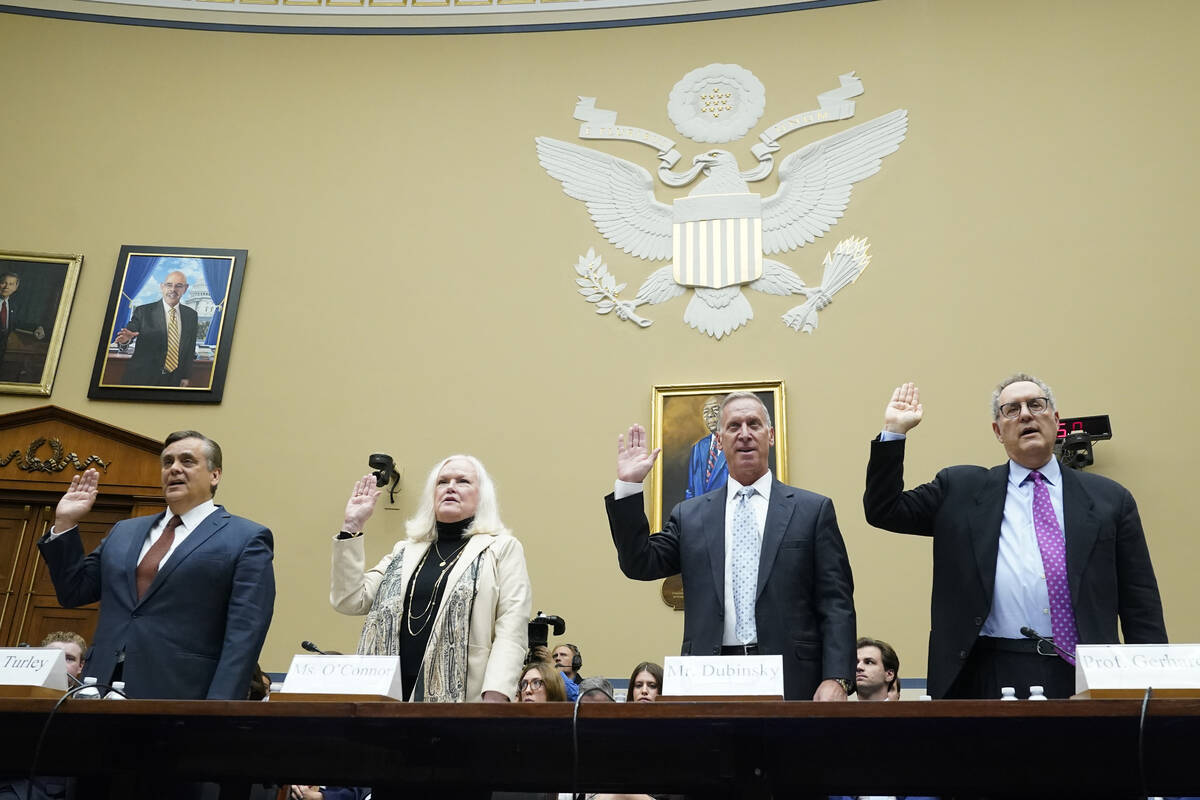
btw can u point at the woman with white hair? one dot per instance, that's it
(452, 599)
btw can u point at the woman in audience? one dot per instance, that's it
(541, 683)
(645, 683)
(452, 599)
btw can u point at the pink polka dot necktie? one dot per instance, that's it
(745, 552)
(1054, 563)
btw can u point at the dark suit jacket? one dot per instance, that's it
(16, 319)
(150, 321)
(804, 609)
(1108, 564)
(199, 628)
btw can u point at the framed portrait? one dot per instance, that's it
(168, 328)
(684, 420)
(36, 291)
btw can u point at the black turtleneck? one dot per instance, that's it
(425, 592)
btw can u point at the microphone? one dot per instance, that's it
(1030, 633)
(312, 648)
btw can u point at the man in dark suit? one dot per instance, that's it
(11, 316)
(166, 338)
(763, 564)
(185, 597)
(1025, 545)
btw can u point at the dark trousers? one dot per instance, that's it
(996, 663)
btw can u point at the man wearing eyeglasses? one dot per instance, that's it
(1025, 545)
(166, 338)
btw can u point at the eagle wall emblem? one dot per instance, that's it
(720, 236)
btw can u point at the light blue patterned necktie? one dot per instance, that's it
(745, 565)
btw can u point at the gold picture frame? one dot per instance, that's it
(677, 426)
(33, 322)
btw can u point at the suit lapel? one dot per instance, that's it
(712, 521)
(779, 516)
(985, 526)
(133, 552)
(1080, 528)
(204, 531)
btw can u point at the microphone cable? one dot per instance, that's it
(1141, 754)
(575, 795)
(41, 740)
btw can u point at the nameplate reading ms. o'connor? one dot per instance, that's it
(33, 666)
(344, 675)
(716, 676)
(1127, 670)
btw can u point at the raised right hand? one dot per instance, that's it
(904, 412)
(634, 460)
(361, 504)
(77, 502)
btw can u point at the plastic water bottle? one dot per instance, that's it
(1008, 693)
(89, 690)
(1037, 693)
(118, 686)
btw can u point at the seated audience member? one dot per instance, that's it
(260, 684)
(571, 686)
(541, 683)
(596, 690)
(878, 670)
(894, 691)
(568, 659)
(72, 645)
(645, 683)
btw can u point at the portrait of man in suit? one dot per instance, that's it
(186, 596)
(763, 564)
(13, 314)
(1029, 558)
(706, 467)
(165, 334)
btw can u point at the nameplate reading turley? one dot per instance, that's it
(32, 672)
(342, 678)
(1126, 670)
(723, 676)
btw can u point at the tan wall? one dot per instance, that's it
(410, 289)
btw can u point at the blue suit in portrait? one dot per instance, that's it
(198, 630)
(698, 482)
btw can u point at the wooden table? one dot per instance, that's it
(1057, 748)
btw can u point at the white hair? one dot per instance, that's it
(423, 525)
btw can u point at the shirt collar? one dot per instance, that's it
(1051, 472)
(761, 486)
(193, 517)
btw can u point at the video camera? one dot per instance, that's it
(539, 631)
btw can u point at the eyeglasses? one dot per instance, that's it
(532, 683)
(1037, 405)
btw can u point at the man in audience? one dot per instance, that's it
(568, 660)
(596, 690)
(72, 645)
(878, 669)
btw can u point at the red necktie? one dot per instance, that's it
(3, 315)
(148, 567)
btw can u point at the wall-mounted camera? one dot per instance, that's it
(384, 467)
(1075, 438)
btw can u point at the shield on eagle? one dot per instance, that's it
(717, 239)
